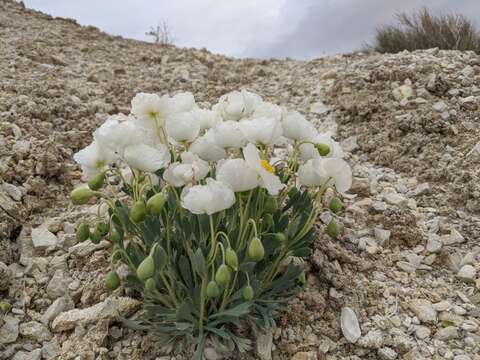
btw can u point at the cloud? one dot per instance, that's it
(250, 28)
(336, 26)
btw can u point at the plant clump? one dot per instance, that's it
(210, 210)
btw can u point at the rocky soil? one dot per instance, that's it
(407, 262)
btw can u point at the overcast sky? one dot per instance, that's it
(301, 29)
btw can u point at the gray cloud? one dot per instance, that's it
(338, 26)
(250, 28)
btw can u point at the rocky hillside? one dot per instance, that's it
(407, 261)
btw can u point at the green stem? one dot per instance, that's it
(203, 291)
(171, 292)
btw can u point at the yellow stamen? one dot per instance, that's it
(153, 114)
(100, 164)
(267, 166)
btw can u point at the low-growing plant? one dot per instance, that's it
(210, 210)
(423, 30)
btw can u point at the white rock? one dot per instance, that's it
(422, 332)
(440, 106)
(453, 238)
(30, 355)
(470, 325)
(107, 309)
(350, 326)
(424, 310)
(469, 258)
(58, 285)
(422, 189)
(374, 339)
(58, 306)
(395, 199)
(211, 354)
(350, 144)
(468, 71)
(442, 306)
(387, 353)
(448, 333)
(468, 100)
(434, 245)
(264, 342)
(9, 329)
(42, 238)
(467, 273)
(319, 108)
(382, 235)
(35, 330)
(406, 266)
(13, 191)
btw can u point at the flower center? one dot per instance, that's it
(99, 164)
(153, 114)
(267, 166)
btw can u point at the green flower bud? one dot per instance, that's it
(268, 221)
(255, 250)
(138, 212)
(248, 293)
(231, 258)
(95, 236)
(114, 236)
(83, 232)
(213, 290)
(332, 229)
(156, 203)
(323, 149)
(5, 307)
(102, 228)
(81, 195)
(96, 182)
(222, 277)
(271, 205)
(150, 285)
(301, 279)
(335, 205)
(112, 280)
(146, 269)
(280, 237)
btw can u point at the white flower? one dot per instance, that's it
(94, 158)
(296, 127)
(266, 109)
(237, 105)
(150, 108)
(147, 158)
(308, 150)
(227, 135)
(317, 171)
(264, 170)
(206, 118)
(182, 102)
(237, 174)
(207, 199)
(117, 132)
(262, 130)
(182, 127)
(206, 148)
(191, 170)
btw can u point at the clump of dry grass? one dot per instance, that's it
(423, 30)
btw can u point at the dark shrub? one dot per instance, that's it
(423, 30)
